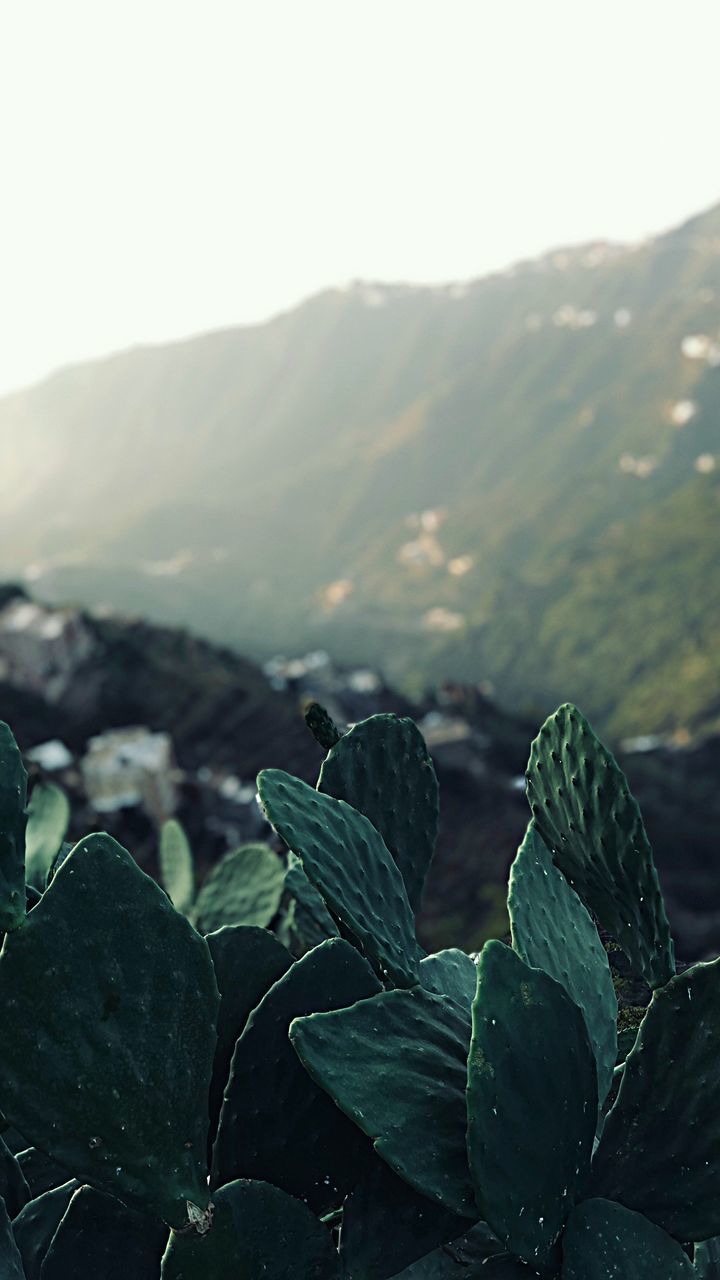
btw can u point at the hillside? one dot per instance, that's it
(513, 480)
(112, 707)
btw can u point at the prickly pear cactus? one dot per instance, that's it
(13, 821)
(180, 1107)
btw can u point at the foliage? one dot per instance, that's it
(223, 1107)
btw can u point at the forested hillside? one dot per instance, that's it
(515, 479)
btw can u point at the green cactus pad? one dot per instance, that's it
(450, 973)
(345, 858)
(98, 1238)
(14, 1190)
(552, 931)
(603, 1239)
(244, 887)
(591, 823)
(532, 1103)
(177, 869)
(322, 726)
(247, 961)
(312, 920)
(40, 1172)
(387, 1225)
(707, 1260)
(257, 1231)
(382, 767)
(660, 1149)
(276, 1125)
(473, 1256)
(13, 796)
(48, 816)
(11, 1267)
(122, 1062)
(416, 1116)
(36, 1225)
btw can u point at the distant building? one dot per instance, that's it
(128, 767)
(42, 648)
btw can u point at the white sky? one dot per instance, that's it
(169, 166)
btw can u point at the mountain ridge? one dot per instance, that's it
(445, 481)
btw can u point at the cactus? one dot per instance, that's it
(592, 825)
(604, 1239)
(36, 1224)
(245, 887)
(177, 869)
(258, 1231)
(13, 821)
(346, 859)
(377, 1114)
(707, 1260)
(291, 1134)
(450, 973)
(48, 816)
(247, 961)
(14, 1190)
(11, 1266)
(98, 1236)
(386, 1226)
(322, 726)
(532, 1103)
(312, 921)
(416, 1117)
(382, 768)
(124, 1012)
(660, 1149)
(552, 931)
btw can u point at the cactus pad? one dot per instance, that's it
(11, 1267)
(552, 931)
(591, 823)
(312, 920)
(48, 816)
(244, 887)
(660, 1149)
(247, 961)
(122, 1063)
(382, 767)
(98, 1238)
(36, 1225)
(257, 1231)
(14, 1190)
(416, 1116)
(450, 973)
(532, 1103)
(603, 1239)
(13, 796)
(387, 1225)
(345, 858)
(707, 1260)
(177, 870)
(276, 1124)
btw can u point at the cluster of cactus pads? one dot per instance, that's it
(189, 1097)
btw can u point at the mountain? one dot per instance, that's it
(513, 480)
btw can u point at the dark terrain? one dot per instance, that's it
(81, 675)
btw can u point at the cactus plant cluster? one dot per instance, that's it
(188, 1095)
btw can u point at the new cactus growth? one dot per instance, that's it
(221, 1107)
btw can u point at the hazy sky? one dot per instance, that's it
(175, 165)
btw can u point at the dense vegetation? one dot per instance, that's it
(547, 416)
(199, 1099)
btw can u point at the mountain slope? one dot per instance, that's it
(513, 479)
